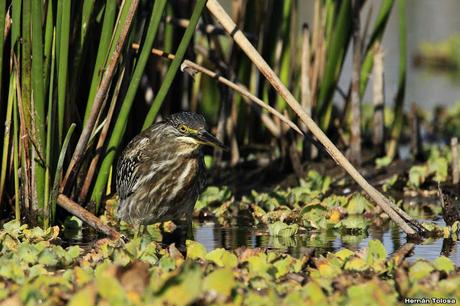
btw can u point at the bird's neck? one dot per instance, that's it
(190, 150)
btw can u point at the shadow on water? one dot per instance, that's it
(213, 236)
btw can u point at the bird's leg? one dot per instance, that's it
(140, 228)
(177, 237)
(189, 225)
(185, 228)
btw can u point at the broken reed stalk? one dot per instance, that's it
(318, 50)
(416, 138)
(305, 68)
(454, 148)
(388, 207)
(378, 122)
(100, 97)
(400, 254)
(355, 128)
(305, 92)
(191, 67)
(87, 217)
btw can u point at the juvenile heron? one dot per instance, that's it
(160, 174)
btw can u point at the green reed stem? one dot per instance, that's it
(63, 58)
(121, 18)
(2, 40)
(102, 51)
(49, 30)
(38, 98)
(330, 8)
(26, 62)
(17, 197)
(399, 101)
(166, 84)
(122, 119)
(336, 50)
(376, 37)
(7, 135)
(16, 6)
(285, 62)
(49, 140)
(59, 168)
(87, 11)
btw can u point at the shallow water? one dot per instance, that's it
(214, 236)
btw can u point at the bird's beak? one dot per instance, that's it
(207, 138)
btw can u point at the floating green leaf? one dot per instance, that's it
(375, 252)
(443, 263)
(417, 175)
(420, 269)
(182, 289)
(282, 229)
(358, 204)
(353, 222)
(195, 250)
(222, 258)
(356, 264)
(220, 281)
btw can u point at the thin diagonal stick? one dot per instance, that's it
(186, 64)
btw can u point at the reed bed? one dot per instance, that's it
(79, 80)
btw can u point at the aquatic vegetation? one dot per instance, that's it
(436, 167)
(35, 268)
(440, 55)
(55, 147)
(284, 212)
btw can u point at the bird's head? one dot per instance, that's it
(191, 128)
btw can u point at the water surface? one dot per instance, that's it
(214, 236)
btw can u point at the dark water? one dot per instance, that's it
(213, 236)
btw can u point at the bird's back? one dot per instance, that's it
(157, 179)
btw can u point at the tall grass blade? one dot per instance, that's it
(336, 50)
(166, 84)
(2, 40)
(50, 137)
(63, 58)
(399, 101)
(26, 63)
(285, 62)
(376, 37)
(7, 135)
(100, 96)
(38, 126)
(17, 196)
(121, 122)
(48, 45)
(102, 52)
(58, 173)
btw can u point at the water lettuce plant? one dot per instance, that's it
(35, 268)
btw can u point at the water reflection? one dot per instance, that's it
(213, 236)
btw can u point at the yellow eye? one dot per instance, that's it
(182, 128)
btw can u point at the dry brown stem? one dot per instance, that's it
(87, 217)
